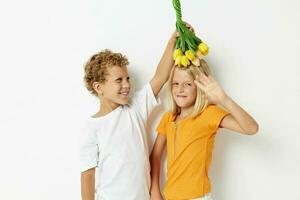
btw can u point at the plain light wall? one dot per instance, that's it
(44, 45)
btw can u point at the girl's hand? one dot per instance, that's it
(211, 88)
(156, 196)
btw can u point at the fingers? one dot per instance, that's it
(204, 79)
(189, 27)
(174, 37)
(175, 34)
(200, 85)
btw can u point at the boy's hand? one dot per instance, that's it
(211, 88)
(175, 35)
(166, 63)
(190, 27)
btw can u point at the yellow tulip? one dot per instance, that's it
(190, 55)
(203, 48)
(176, 53)
(185, 61)
(196, 62)
(178, 60)
(199, 54)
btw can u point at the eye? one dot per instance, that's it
(118, 80)
(187, 84)
(128, 78)
(175, 83)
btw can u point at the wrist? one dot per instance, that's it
(225, 101)
(154, 190)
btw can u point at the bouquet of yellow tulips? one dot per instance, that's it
(189, 48)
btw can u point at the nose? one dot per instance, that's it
(126, 84)
(180, 88)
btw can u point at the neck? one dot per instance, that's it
(106, 107)
(184, 112)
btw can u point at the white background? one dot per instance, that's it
(44, 45)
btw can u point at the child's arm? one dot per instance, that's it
(88, 184)
(164, 67)
(155, 160)
(238, 120)
(166, 63)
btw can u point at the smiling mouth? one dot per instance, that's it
(124, 93)
(181, 96)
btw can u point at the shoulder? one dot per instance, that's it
(215, 115)
(91, 126)
(87, 133)
(211, 112)
(167, 117)
(214, 109)
(88, 125)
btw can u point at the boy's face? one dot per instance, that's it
(115, 90)
(184, 90)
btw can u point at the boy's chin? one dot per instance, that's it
(123, 101)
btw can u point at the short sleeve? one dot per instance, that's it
(162, 126)
(88, 149)
(143, 101)
(216, 114)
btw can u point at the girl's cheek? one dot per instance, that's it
(193, 92)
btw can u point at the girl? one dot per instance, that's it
(189, 131)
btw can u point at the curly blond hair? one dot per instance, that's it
(96, 67)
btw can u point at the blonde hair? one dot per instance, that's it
(201, 101)
(96, 67)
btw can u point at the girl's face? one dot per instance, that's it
(184, 90)
(115, 90)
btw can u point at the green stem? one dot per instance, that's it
(187, 39)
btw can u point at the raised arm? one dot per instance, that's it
(166, 63)
(164, 66)
(239, 120)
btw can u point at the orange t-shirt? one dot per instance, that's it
(189, 151)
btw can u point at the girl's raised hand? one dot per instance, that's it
(211, 88)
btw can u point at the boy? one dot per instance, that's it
(114, 139)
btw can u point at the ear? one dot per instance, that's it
(97, 86)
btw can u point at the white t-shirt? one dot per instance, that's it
(116, 144)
